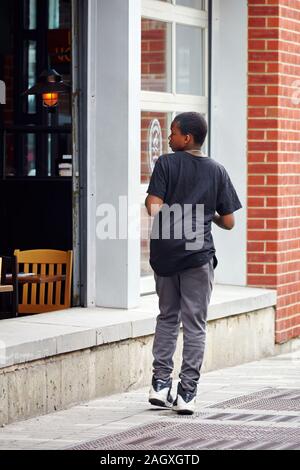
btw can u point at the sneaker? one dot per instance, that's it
(185, 403)
(160, 393)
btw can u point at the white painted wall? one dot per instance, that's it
(229, 128)
(113, 146)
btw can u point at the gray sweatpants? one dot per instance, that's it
(184, 298)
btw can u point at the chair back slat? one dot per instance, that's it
(34, 286)
(42, 286)
(25, 287)
(58, 286)
(50, 285)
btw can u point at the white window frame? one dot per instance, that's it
(173, 102)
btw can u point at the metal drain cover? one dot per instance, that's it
(264, 427)
(198, 435)
(278, 399)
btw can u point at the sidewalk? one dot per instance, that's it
(269, 419)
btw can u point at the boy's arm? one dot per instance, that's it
(226, 222)
(153, 205)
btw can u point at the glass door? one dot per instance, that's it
(175, 71)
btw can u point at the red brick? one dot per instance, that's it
(256, 157)
(262, 56)
(255, 67)
(266, 101)
(266, 235)
(256, 135)
(256, 112)
(263, 10)
(256, 201)
(255, 247)
(257, 45)
(262, 146)
(262, 257)
(272, 22)
(264, 281)
(255, 191)
(256, 224)
(262, 124)
(257, 22)
(263, 33)
(255, 268)
(262, 212)
(262, 79)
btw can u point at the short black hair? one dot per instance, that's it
(193, 123)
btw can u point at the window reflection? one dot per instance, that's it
(30, 14)
(31, 75)
(156, 56)
(198, 4)
(154, 140)
(31, 140)
(30, 155)
(190, 60)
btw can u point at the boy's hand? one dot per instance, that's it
(226, 222)
(153, 205)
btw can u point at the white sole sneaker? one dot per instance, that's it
(183, 408)
(161, 398)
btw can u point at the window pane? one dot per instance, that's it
(156, 56)
(30, 155)
(198, 4)
(59, 14)
(30, 14)
(9, 155)
(31, 75)
(59, 145)
(53, 14)
(190, 60)
(155, 132)
(146, 269)
(20, 154)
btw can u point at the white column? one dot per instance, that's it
(113, 146)
(229, 128)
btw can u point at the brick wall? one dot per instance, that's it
(154, 55)
(273, 157)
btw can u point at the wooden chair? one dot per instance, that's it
(46, 280)
(8, 303)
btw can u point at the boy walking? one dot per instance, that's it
(183, 271)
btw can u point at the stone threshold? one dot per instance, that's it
(36, 337)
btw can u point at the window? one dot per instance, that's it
(174, 80)
(33, 141)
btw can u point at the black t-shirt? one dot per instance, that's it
(183, 179)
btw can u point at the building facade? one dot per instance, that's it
(133, 65)
(248, 54)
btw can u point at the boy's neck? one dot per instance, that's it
(196, 151)
(193, 148)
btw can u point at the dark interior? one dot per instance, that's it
(35, 202)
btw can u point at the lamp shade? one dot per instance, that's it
(49, 82)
